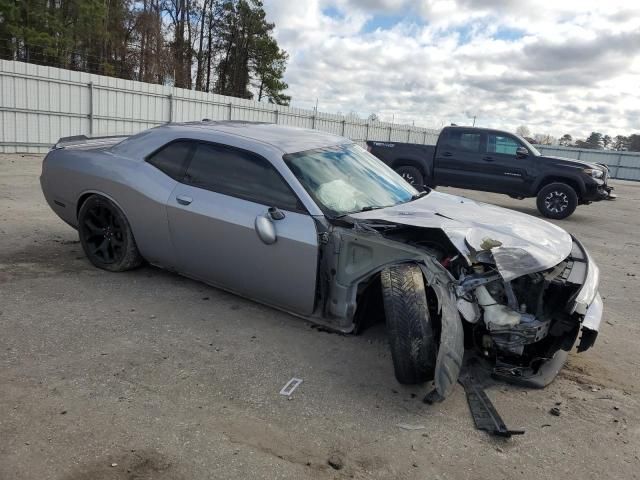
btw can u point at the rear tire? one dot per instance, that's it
(411, 175)
(557, 200)
(411, 338)
(106, 236)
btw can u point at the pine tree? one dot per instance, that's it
(227, 43)
(269, 66)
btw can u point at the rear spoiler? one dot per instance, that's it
(83, 142)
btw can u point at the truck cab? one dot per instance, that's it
(501, 162)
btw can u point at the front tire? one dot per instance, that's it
(106, 236)
(411, 175)
(411, 337)
(557, 200)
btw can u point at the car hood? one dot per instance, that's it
(520, 243)
(572, 162)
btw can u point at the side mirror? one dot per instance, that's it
(265, 229)
(275, 214)
(522, 152)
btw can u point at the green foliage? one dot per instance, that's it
(634, 143)
(249, 52)
(594, 140)
(620, 142)
(269, 65)
(566, 140)
(152, 41)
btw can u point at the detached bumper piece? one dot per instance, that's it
(484, 413)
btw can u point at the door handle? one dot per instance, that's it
(447, 154)
(184, 200)
(488, 159)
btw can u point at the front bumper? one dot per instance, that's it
(598, 189)
(588, 302)
(591, 324)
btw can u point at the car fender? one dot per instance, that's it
(567, 177)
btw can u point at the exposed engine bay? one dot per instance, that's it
(509, 308)
(521, 323)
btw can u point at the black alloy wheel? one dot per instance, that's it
(557, 200)
(106, 235)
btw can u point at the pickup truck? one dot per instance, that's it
(500, 162)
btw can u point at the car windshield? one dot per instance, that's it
(346, 179)
(532, 150)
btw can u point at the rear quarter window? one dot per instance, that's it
(172, 158)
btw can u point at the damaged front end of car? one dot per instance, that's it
(518, 297)
(527, 325)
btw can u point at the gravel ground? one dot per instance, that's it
(146, 374)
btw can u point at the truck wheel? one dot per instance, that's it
(412, 175)
(106, 236)
(411, 338)
(557, 200)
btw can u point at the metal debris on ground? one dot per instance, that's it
(555, 411)
(290, 386)
(406, 426)
(484, 413)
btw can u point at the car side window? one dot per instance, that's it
(172, 158)
(501, 144)
(464, 141)
(241, 174)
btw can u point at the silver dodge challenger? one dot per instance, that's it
(312, 224)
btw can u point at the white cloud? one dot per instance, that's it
(558, 67)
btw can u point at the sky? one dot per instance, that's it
(556, 66)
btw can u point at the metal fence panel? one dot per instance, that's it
(622, 165)
(38, 105)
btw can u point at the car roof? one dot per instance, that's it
(284, 137)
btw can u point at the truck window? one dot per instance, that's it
(464, 141)
(501, 144)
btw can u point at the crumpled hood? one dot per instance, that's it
(520, 243)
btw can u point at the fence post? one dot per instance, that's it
(389, 139)
(230, 110)
(313, 122)
(366, 133)
(90, 109)
(276, 114)
(424, 141)
(618, 165)
(408, 135)
(579, 152)
(344, 122)
(170, 98)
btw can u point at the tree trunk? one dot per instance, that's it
(200, 67)
(143, 41)
(209, 47)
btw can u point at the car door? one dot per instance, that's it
(458, 159)
(160, 173)
(217, 214)
(504, 171)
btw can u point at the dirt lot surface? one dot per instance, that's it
(147, 374)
